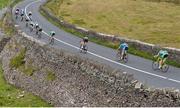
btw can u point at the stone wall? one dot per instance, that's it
(77, 82)
(142, 46)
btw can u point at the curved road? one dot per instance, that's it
(140, 67)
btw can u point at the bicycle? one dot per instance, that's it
(16, 16)
(83, 48)
(124, 58)
(155, 66)
(27, 24)
(22, 18)
(51, 41)
(38, 33)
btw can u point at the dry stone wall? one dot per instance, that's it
(77, 82)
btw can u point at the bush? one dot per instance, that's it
(18, 61)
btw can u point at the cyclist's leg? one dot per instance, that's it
(160, 63)
(125, 53)
(163, 61)
(122, 53)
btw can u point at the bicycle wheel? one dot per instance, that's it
(52, 41)
(26, 24)
(125, 58)
(80, 48)
(118, 56)
(85, 49)
(155, 65)
(16, 17)
(165, 68)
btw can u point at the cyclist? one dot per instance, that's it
(31, 26)
(27, 21)
(22, 14)
(39, 32)
(30, 15)
(17, 12)
(52, 34)
(84, 42)
(123, 48)
(36, 26)
(162, 57)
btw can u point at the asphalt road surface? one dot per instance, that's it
(140, 67)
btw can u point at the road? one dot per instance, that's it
(140, 67)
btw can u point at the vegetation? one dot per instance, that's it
(8, 29)
(109, 44)
(18, 61)
(152, 22)
(10, 96)
(4, 3)
(50, 75)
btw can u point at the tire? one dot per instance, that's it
(165, 68)
(39, 35)
(118, 56)
(16, 17)
(86, 49)
(51, 41)
(26, 24)
(22, 18)
(80, 49)
(125, 58)
(155, 65)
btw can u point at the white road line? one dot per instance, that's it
(133, 68)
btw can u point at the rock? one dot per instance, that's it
(138, 85)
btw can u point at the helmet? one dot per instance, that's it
(86, 38)
(30, 13)
(17, 9)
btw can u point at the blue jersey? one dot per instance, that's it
(124, 46)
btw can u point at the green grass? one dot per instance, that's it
(18, 60)
(151, 22)
(132, 50)
(10, 96)
(18, 63)
(4, 3)
(9, 30)
(50, 75)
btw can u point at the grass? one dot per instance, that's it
(10, 96)
(8, 29)
(50, 75)
(152, 22)
(18, 60)
(4, 3)
(18, 63)
(109, 44)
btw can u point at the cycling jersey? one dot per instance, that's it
(22, 12)
(16, 12)
(32, 24)
(123, 46)
(37, 26)
(163, 54)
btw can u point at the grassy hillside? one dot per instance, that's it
(4, 3)
(152, 22)
(10, 96)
